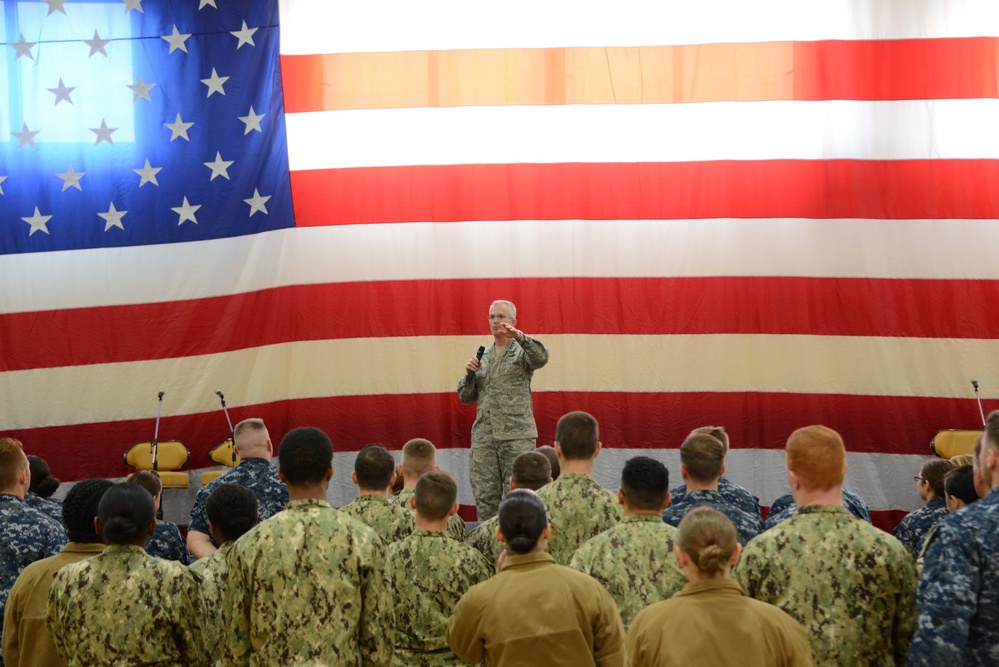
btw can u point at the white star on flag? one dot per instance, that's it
(148, 174)
(141, 89)
(245, 35)
(97, 44)
(133, 4)
(179, 128)
(55, 6)
(252, 121)
(186, 212)
(220, 167)
(103, 133)
(2, 179)
(177, 40)
(257, 203)
(112, 218)
(37, 222)
(25, 137)
(62, 92)
(23, 48)
(215, 83)
(71, 179)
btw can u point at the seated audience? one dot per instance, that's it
(535, 611)
(577, 506)
(702, 463)
(43, 485)
(732, 493)
(419, 456)
(712, 621)
(634, 560)
(851, 585)
(959, 488)
(374, 472)
(913, 528)
(167, 542)
(26, 642)
(549, 453)
(430, 573)
(530, 471)
(124, 607)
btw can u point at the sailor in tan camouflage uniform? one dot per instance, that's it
(504, 425)
(374, 472)
(430, 573)
(419, 456)
(308, 585)
(635, 560)
(531, 470)
(125, 607)
(578, 507)
(851, 585)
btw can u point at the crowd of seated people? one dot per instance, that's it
(567, 572)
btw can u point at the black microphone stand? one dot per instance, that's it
(232, 435)
(154, 445)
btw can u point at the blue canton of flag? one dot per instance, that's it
(130, 122)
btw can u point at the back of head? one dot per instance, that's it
(148, 480)
(232, 509)
(435, 493)
(306, 456)
(80, 508)
(960, 483)
(43, 484)
(531, 470)
(934, 471)
(644, 483)
(816, 454)
(715, 432)
(125, 511)
(577, 434)
(703, 456)
(374, 467)
(251, 436)
(522, 520)
(419, 456)
(708, 538)
(552, 456)
(12, 462)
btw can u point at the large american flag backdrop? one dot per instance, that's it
(755, 214)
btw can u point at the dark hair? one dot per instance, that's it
(374, 467)
(645, 483)
(960, 483)
(125, 511)
(435, 494)
(306, 455)
(934, 471)
(147, 479)
(43, 484)
(232, 509)
(703, 456)
(531, 470)
(522, 519)
(80, 507)
(552, 456)
(577, 434)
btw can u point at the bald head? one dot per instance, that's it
(252, 439)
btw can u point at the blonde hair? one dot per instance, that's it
(708, 538)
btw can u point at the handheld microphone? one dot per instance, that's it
(478, 356)
(974, 383)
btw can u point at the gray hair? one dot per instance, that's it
(508, 304)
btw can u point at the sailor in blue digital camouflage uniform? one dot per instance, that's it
(731, 493)
(913, 528)
(255, 472)
(958, 595)
(167, 542)
(784, 508)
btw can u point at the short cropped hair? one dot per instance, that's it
(715, 432)
(306, 455)
(435, 494)
(816, 454)
(960, 483)
(934, 471)
(232, 509)
(531, 470)
(552, 456)
(250, 436)
(522, 519)
(992, 430)
(703, 456)
(43, 484)
(577, 434)
(644, 483)
(708, 537)
(509, 304)
(12, 461)
(147, 479)
(80, 508)
(374, 467)
(126, 512)
(418, 457)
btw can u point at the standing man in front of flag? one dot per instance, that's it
(504, 421)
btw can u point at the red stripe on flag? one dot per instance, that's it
(901, 189)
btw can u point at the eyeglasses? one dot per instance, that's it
(917, 478)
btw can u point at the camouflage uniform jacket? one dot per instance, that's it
(959, 590)
(747, 525)
(913, 528)
(259, 476)
(27, 536)
(307, 586)
(635, 562)
(483, 538)
(124, 607)
(732, 493)
(455, 524)
(784, 508)
(50, 508)
(850, 585)
(429, 574)
(502, 389)
(578, 509)
(168, 544)
(391, 522)
(213, 571)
